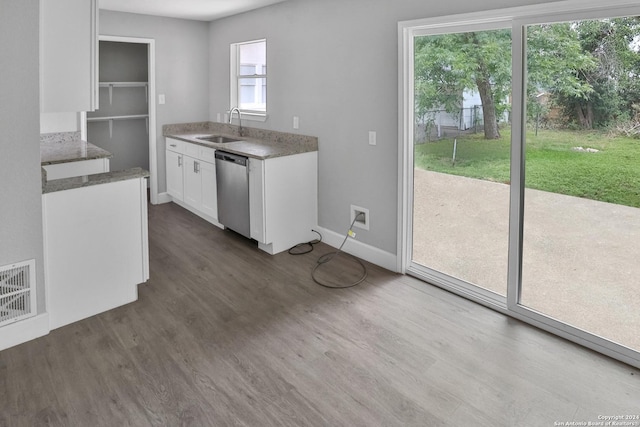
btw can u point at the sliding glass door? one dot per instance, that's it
(521, 167)
(581, 243)
(461, 151)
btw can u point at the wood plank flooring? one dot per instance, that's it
(224, 334)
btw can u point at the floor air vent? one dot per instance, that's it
(17, 292)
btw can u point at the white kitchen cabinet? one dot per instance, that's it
(192, 182)
(96, 248)
(69, 46)
(209, 192)
(191, 178)
(283, 200)
(175, 175)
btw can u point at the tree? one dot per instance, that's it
(556, 63)
(447, 65)
(613, 75)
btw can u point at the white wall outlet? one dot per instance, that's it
(161, 99)
(361, 217)
(296, 122)
(218, 117)
(372, 137)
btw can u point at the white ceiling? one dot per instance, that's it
(201, 10)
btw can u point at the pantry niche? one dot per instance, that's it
(121, 123)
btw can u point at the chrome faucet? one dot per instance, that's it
(239, 117)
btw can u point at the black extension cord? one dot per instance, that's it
(326, 258)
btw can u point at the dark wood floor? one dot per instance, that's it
(224, 334)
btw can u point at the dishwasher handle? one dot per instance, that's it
(230, 157)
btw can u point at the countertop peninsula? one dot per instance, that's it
(54, 152)
(95, 179)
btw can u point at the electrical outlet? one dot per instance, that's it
(161, 99)
(372, 137)
(296, 122)
(361, 217)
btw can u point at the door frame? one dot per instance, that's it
(153, 151)
(516, 17)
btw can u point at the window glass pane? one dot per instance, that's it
(252, 94)
(253, 58)
(462, 156)
(582, 199)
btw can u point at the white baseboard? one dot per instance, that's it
(24, 330)
(164, 198)
(356, 248)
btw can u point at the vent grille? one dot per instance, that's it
(17, 292)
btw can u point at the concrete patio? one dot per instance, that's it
(581, 257)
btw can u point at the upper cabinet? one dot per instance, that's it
(69, 47)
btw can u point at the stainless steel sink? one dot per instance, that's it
(219, 139)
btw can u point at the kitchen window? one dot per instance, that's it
(249, 78)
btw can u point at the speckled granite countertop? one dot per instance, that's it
(89, 180)
(53, 152)
(256, 143)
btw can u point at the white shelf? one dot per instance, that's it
(123, 84)
(111, 119)
(111, 85)
(106, 118)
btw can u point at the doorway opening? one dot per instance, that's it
(125, 123)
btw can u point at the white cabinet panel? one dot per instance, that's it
(283, 196)
(256, 200)
(175, 180)
(69, 46)
(209, 190)
(95, 248)
(192, 182)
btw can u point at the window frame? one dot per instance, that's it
(236, 76)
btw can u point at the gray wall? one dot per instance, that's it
(334, 63)
(20, 178)
(182, 68)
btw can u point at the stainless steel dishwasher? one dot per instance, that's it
(232, 175)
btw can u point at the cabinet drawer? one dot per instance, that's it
(192, 150)
(207, 154)
(175, 145)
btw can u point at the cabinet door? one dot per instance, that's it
(193, 182)
(175, 180)
(209, 191)
(69, 44)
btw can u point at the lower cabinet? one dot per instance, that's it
(283, 200)
(191, 178)
(96, 248)
(283, 193)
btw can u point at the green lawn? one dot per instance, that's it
(611, 175)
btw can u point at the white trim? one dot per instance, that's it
(153, 144)
(354, 247)
(516, 18)
(164, 198)
(590, 341)
(24, 330)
